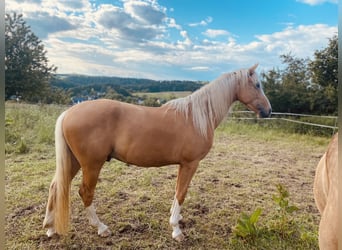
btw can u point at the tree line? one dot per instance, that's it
(124, 86)
(304, 85)
(301, 85)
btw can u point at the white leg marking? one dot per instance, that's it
(49, 219)
(94, 221)
(174, 220)
(50, 232)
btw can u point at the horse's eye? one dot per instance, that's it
(257, 85)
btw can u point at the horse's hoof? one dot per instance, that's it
(103, 230)
(180, 237)
(50, 232)
(105, 233)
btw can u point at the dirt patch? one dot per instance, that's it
(131, 228)
(25, 211)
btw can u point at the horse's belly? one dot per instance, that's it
(145, 162)
(148, 154)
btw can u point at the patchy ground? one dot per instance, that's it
(238, 175)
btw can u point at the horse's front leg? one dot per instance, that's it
(185, 174)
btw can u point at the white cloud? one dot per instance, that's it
(67, 5)
(215, 33)
(200, 68)
(29, 7)
(146, 12)
(23, 8)
(172, 24)
(47, 17)
(136, 21)
(317, 2)
(204, 22)
(302, 40)
(111, 17)
(186, 43)
(43, 23)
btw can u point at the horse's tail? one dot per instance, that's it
(59, 195)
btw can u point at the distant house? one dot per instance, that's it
(76, 100)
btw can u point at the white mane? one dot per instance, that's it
(210, 104)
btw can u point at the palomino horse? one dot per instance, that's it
(326, 196)
(179, 132)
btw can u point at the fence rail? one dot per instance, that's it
(288, 120)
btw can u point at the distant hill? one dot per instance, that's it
(124, 86)
(80, 88)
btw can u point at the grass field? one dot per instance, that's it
(238, 176)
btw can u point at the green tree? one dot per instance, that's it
(287, 88)
(295, 83)
(112, 94)
(57, 96)
(324, 69)
(303, 85)
(27, 73)
(271, 81)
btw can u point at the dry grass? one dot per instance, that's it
(238, 175)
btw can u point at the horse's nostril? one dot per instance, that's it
(265, 113)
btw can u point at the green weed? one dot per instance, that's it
(246, 225)
(284, 211)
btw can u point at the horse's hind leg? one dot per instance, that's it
(86, 191)
(49, 215)
(185, 174)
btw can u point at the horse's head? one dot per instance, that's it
(252, 95)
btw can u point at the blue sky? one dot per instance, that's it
(176, 39)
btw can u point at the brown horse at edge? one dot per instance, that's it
(179, 132)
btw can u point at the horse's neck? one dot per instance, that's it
(219, 119)
(227, 94)
(209, 105)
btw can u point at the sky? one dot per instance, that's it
(176, 39)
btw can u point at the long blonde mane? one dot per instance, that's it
(210, 104)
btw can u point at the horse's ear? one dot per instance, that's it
(251, 70)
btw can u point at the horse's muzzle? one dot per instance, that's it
(265, 113)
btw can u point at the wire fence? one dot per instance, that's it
(300, 122)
